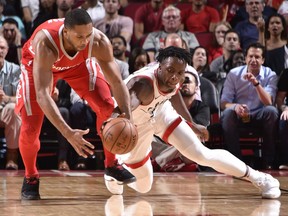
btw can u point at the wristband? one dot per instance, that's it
(258, 83)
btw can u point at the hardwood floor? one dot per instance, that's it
(84, 193)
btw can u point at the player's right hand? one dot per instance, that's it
(81, 146)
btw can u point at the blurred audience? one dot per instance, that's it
(171, 20)
(9, 79)
(201, 64)
(148, 18)
(199, 17)
(282, 105)
(114, 24)
(231, 44)
(138, 59)
(215, 50)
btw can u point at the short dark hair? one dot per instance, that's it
(121, 37)
(77, 16)
(256, 45)
(172, 51)
(231, 31)
(10, 21)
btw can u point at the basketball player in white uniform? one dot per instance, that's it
(153, 91)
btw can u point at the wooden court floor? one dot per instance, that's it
(83, 193)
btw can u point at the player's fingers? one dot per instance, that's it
(88, 144)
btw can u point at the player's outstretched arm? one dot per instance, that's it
(102, 50)
(45, 56)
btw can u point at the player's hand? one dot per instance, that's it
(202, 133)
(81, 146)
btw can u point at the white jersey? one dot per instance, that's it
(145, 113)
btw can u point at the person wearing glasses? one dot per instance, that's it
(171, 20)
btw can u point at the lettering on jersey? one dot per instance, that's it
(62, 68)
(55, 20)
(151, 110)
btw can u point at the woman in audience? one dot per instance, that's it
(218, 39)
(138, 59)
(274, 38)
(201, 64)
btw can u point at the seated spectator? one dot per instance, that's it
(30, 10)
(201, 64)
(9, 79)
(82, 117)
(250, 87)
(283, 10)
(114, 24)
(275, 40)
(95, 9)
(148, 18)
(282, 104)
(199, 17)
(236, 59)
(242, 15)
(19, 21)
(13, 36)
(51, 10)
(138, 59)
(119, 49)
(215, 50)
(248, 29)
(61, 96)
(231, 44)
(171, 20)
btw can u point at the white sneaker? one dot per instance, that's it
(114, 187)
(268, 186)
(283, 167)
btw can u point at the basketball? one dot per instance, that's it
(119, 136)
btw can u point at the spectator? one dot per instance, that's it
(119, 49)
(252, 87)
(236, 59)
(95, 9)
(275, 41)
(12, 15)
(30, 10)
(114, 24)
(283, 10)
(282, 104)
(171, 20)
(248, 29)
(242, 15)
(82, 117)
(200, 17)
(215, 50)
(148, 18)
(10, 76)
(61, 96)
(13, 36)
(138, 59)
(201, 64)
(231, 44)
(49, 10)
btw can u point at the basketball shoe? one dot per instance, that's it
(119, 174)
(268, 186)
(30, 189)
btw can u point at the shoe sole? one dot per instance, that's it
(25, 197)
(128, 181)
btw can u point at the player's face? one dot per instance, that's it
(79, 36)
(171, 72)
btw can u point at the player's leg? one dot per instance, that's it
(29, 145)
(185, 140)
(92, 86)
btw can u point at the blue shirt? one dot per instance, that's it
(248, 33)
(238, 90)
(9, 78)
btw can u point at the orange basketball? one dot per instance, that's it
(119, 136)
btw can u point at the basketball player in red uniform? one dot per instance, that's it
(69, 49)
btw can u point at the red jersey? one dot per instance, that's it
(53, 30)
